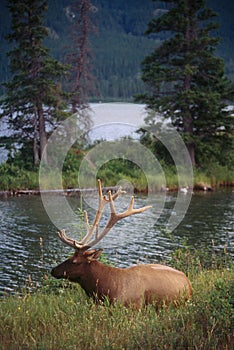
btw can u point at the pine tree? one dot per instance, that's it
(186, 81)
(81, 80)
(34, 100)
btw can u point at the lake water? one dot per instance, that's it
(29, 245)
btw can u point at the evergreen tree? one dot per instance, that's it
(186, 81)
(81, 80)
(34, 100)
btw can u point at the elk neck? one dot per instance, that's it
(98, 278)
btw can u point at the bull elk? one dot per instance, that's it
(137, 285)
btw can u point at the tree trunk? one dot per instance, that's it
(191, 151)
(74, 107)
(188, 131)
(35, 148)
(42, 133)
(187, 117)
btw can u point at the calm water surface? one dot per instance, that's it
(29, 245)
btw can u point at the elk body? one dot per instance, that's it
(137, 285)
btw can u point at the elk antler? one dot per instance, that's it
(93, 230)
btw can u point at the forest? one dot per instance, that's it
(64, 55)
(119, 44)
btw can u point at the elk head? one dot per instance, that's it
(76, 267)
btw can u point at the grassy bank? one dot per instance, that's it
(59, 316)
(14, 177)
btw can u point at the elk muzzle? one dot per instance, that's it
(55, 272)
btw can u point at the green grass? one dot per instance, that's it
(59, 316)
(13, 177)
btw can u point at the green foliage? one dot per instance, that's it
(120, 45)
(81, 82)
(193, 261)
(214, 175)
(71, 167)
(186, 81)
(59, 316)
(118, 169)
(33, 98)
(18, 173)
(149, 139)
(23, 157)
(219, 175)
(12, 177)
(218, 151)
(121, 26)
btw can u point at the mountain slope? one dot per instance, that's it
(120, 44)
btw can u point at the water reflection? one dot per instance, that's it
(140, 238)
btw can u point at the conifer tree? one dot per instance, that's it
(81, 80)
(34, 100)
(186, 80)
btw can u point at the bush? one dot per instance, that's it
(12, 177)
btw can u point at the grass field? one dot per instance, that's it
(59, 316)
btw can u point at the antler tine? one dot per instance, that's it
(103, 200)
(116, 194)
(88, 229)
(116, 217)
(131, 210)
(69, 241)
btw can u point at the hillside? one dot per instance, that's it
(120, 45)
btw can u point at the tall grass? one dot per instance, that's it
(59, 316)
(214, 175)
(13, 177)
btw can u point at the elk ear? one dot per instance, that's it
(93, 254)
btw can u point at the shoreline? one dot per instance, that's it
(199, 187)
(68, 191)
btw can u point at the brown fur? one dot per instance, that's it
(137, 285)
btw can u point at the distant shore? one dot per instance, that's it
(74, 191)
